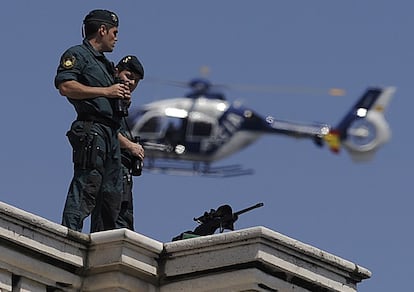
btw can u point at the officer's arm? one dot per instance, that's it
(135, 148)
(76, 90)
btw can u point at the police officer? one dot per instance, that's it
(86, 77)
(129, 71)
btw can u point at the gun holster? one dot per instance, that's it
(84, 147)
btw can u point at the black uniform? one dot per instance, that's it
(97, 180)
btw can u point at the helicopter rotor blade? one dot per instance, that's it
(272, 89)
(176, 83)
(334, 91)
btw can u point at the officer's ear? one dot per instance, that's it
(102, 30)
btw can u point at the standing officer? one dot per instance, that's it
(86, 77)
(129, 71)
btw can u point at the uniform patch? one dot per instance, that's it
(68, 62)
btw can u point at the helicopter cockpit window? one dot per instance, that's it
(158, 127)
(153, 125)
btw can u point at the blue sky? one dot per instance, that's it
(361, 212)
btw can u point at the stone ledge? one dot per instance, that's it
(263, 249)
(125, 250)
(42, 225)
(41, 253)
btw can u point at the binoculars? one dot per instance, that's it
(121, 108)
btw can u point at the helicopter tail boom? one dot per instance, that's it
(364, 128)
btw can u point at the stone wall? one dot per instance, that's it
(39, 255)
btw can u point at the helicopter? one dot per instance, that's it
(186, 135)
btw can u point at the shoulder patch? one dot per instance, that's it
(68, 62)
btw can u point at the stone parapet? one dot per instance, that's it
(282, 259)
(39, 255)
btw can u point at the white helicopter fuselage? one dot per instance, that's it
(202, 128)
(208, 132)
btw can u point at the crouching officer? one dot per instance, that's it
(86, 77)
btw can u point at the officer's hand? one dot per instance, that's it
(119, 90)
(137, 150)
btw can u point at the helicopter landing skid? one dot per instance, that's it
(196, 169)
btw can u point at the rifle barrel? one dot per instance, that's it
(258, 205)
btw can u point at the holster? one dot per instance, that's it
(85, 149)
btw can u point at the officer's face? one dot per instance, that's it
(130, 78)
(109, 38)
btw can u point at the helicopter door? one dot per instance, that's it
(174, 131)
(201, 130)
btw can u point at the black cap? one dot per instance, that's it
(101, 15)
(132, 64)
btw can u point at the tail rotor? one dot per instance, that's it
(364, 129)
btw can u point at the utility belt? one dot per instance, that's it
(85, 147)
(98, 119)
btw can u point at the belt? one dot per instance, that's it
(98, 119)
